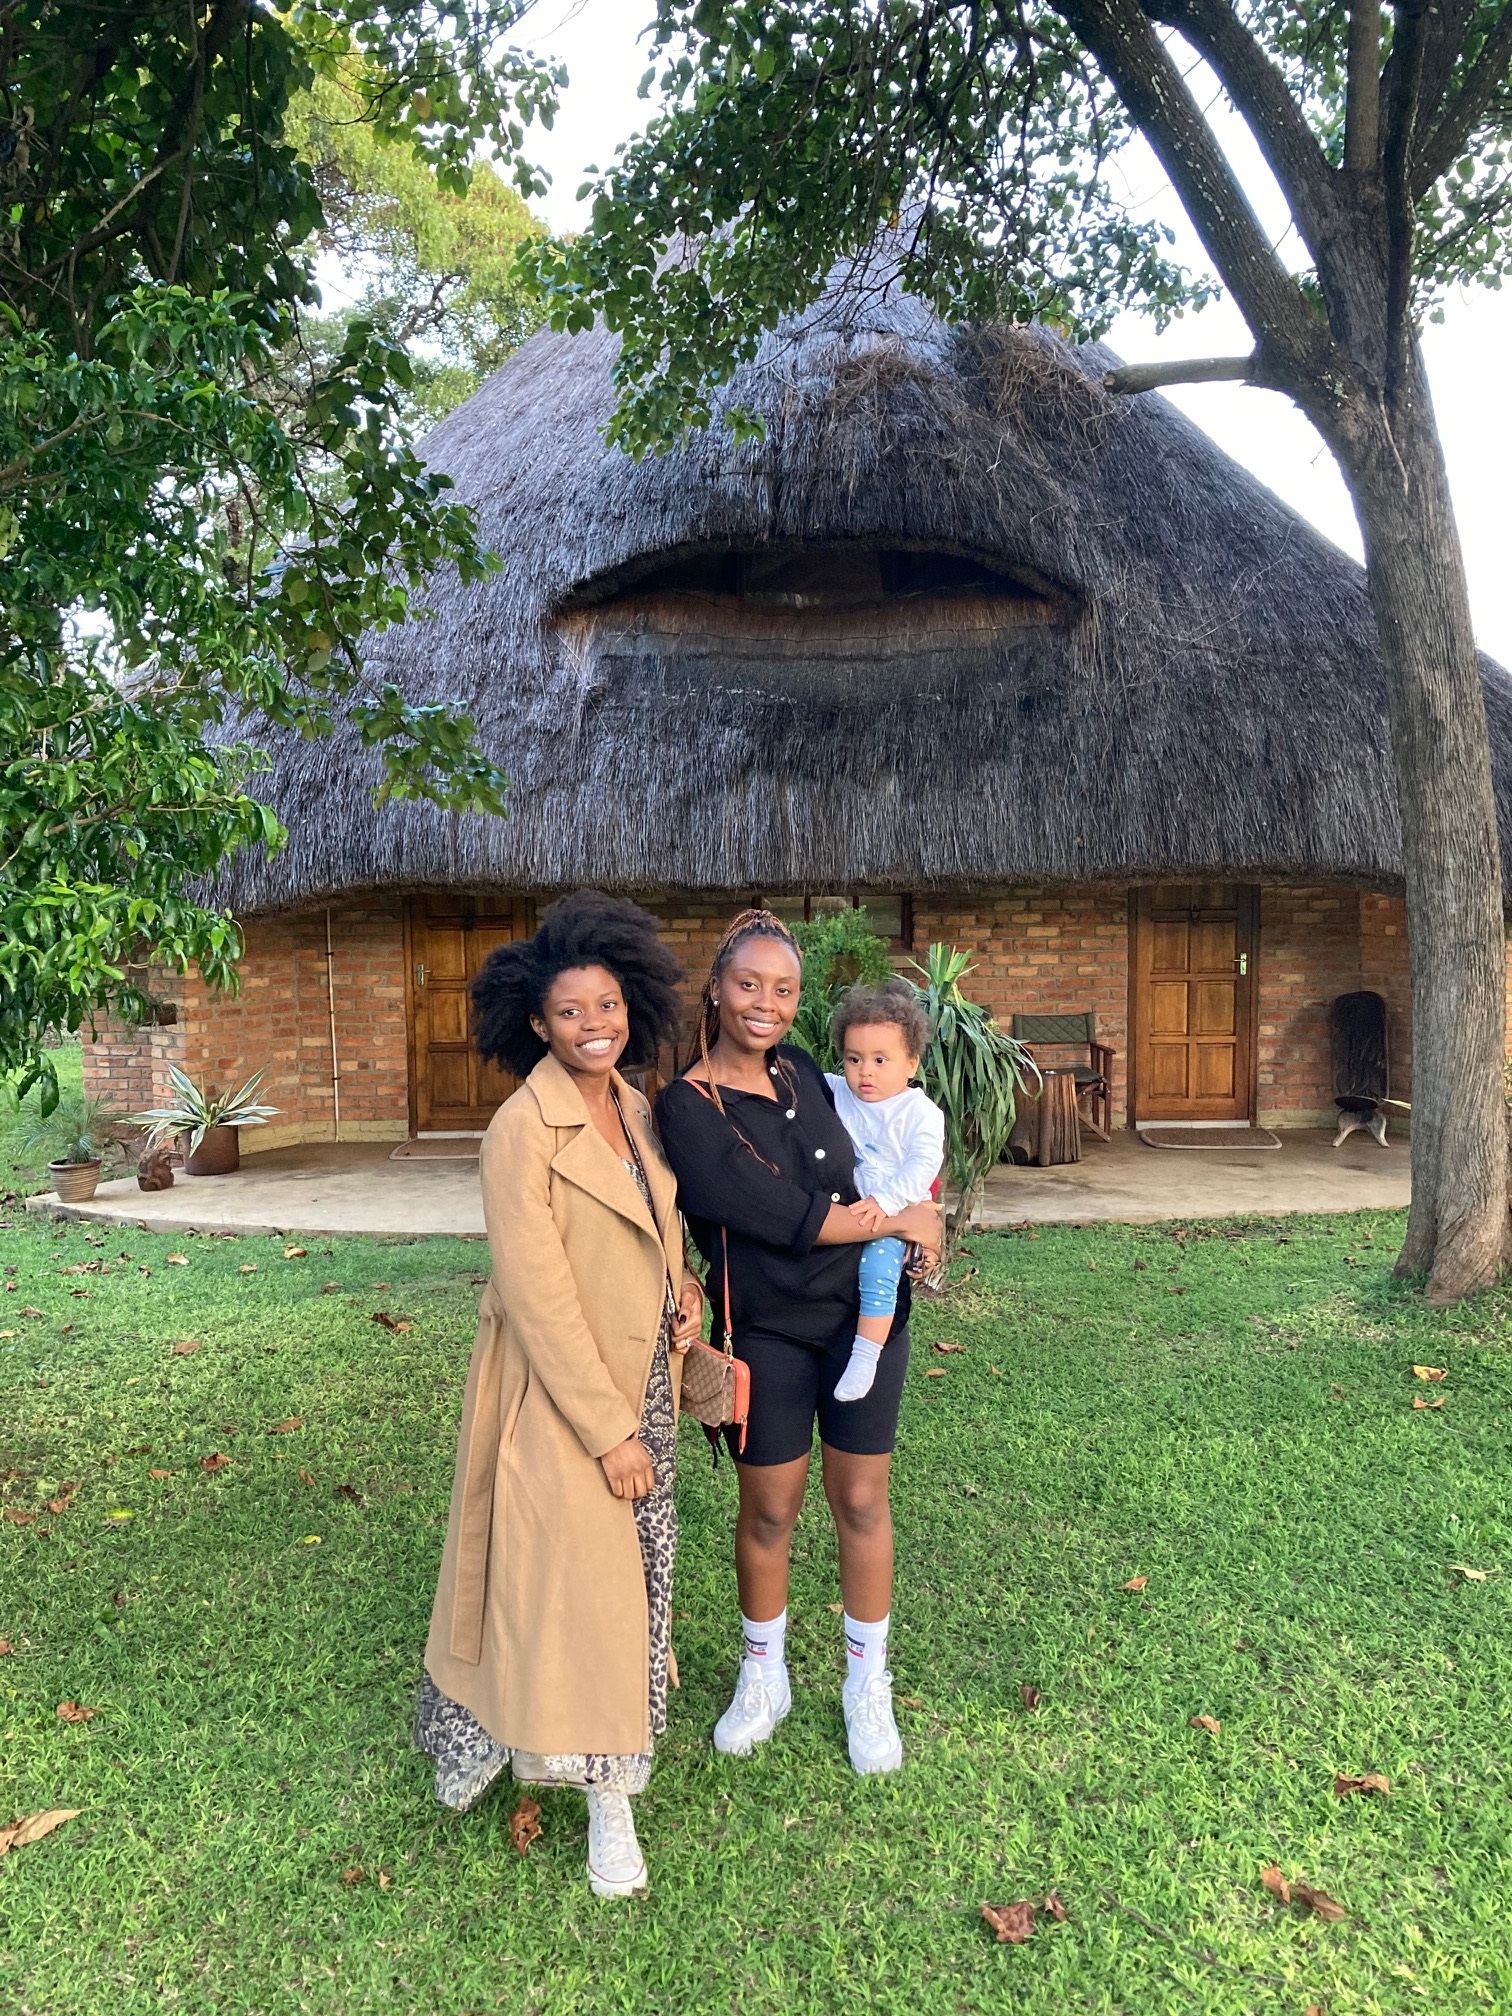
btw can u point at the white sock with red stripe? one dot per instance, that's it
(766, 1646)
(866, 1651)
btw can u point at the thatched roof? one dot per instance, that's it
(1059, 636)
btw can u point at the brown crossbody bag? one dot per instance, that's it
(716, 1385)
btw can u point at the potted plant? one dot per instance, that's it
(74, 1136)
(206, 1124)
(975, 1073)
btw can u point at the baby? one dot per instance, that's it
(899, 1134)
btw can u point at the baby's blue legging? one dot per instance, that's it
(881, 1271)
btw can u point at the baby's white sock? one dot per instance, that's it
(866, 1649)
(766, 1646)
(855, 1381)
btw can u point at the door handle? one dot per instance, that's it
(1242, 963)
(420, 974)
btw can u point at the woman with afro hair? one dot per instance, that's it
(551, 1632)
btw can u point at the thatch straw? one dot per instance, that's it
(1187, 685)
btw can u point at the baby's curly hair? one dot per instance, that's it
(585, 929)
(893, 1003)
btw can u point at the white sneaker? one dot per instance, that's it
(755, 1711)
(616, 1866)
(875, 1744)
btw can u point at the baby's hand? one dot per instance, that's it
(870, 1215)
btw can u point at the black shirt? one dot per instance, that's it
(772, 1202)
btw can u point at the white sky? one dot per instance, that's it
(598, 40)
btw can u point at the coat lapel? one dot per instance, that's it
(585, 1158)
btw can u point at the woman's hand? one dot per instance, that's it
(689, 1319)
(921, 1224)
(628, 1469)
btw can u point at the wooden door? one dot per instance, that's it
(452, 1089)
(1193, 1007)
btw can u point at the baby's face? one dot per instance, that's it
(877, 1063)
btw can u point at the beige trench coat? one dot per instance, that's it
(540, 1625)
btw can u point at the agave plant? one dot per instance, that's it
(194, 1111)
(975, 1074)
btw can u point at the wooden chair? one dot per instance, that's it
(1094, 1078)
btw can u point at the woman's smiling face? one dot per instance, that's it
(584, 1021)
(758, 993)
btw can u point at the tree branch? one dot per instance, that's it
(1440, 149)
(1182, 371)
(1362, 108)
(1264, 101)
(1288, 334)
(1408, 54)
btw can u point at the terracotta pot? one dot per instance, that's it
(219, 1153)
(74, 1182)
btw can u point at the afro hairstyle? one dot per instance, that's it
(585, 929)
(894, 1004)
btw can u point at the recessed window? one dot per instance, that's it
(832, 577)
(890, 917)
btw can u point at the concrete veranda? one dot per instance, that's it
(355, 1188)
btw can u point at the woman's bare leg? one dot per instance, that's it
(771, 1497)
(856, 1487)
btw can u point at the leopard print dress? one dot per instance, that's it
(467, 1758)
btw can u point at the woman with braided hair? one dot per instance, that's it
(765, 1173)
(550, 1635)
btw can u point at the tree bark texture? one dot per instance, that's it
(1458, 1227)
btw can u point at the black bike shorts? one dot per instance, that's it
(793, 1385)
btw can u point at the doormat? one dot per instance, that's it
(441, 1149)
(1208, 1137)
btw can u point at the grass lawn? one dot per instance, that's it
(1227, 1412)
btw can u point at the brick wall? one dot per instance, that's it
(281, 1020)
(1037, 949)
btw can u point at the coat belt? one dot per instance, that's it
(480, 1464)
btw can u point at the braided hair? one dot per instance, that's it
(586, 929)
(753, 923)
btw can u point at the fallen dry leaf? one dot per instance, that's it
(935, 1372)
(994, 1371)
(524, 1824)
(19, 1518)
(390, 1322)
(838, 1609)
(1012, 1923)
(1372, 1781)
(349, 1492)
(944, 1346)
(1209, 1722)
(384, 1879)
(909, 1701)
(22, 1833)
(184, 1347)
(354, 1875)
(380, 1287)
(1470, 1574)
(247, 1267)
(6, 1648)
(1030, 1696)
(70, 1711)
(1275, 1882)
(177, 1259)
(29, 1311)
(287, 1427)
(1054, 1908)
(1430, 1372)
(296, 1252)
(141, 1449)
(1136, 1583)
(1329, 1909)
(1314, 2009)
(331, 1288)
(162, 1473)
(64, 1498)
(1422, 1406)
(210, 1464)
(306, 1478)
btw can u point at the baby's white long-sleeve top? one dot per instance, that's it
(900, 1143)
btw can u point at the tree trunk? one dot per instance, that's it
(1458, 1228)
